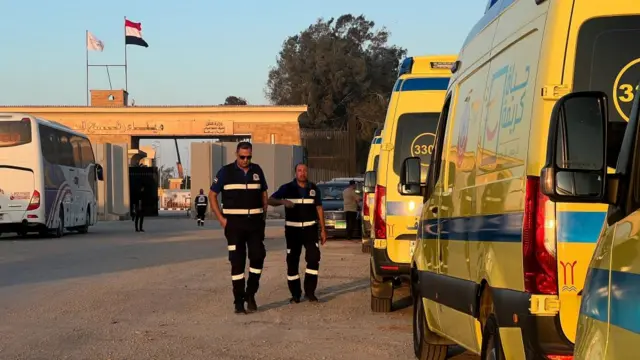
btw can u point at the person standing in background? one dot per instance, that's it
(201, 207)
(351, 200)
(138, 208)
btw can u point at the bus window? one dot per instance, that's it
(65, 150)
(48, 143)
(14, 133)
(87, 153)
(76, 142)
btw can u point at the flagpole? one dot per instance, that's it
(126, 77)
(86, 50)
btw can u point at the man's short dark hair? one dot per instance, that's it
(352, 182)
(295, 168)
(244, 145)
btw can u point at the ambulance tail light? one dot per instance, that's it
(379, 215)
(35, 201)
(539, 241)
(365, 204)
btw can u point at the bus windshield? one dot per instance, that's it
(14, 133)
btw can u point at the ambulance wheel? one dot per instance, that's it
(491, 344)
(380, 304)
(422, 349)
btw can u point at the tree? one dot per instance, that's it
(234, 100)
(165, 174)
(340, 68)
(343, 69)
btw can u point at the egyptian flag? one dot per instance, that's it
(133, 34)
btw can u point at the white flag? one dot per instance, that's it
(93, 43)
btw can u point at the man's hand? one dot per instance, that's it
(323, 236)
(223, 222)
(288, 204)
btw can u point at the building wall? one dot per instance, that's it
(113, 192)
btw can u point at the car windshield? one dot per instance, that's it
(332, 191)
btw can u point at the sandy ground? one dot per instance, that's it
(166, 294)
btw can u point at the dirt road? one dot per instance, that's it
(166, 294)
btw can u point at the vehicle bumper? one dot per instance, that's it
(339, 233)
(542, 335)
(384, 267)
(333, 217)
(19, 227)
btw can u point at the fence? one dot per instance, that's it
(329, 153)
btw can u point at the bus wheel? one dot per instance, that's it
(87, 220)
(422, 349)
(60, 230)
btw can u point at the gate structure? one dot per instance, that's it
(147, 177)
(329, 153)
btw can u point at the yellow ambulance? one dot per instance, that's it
(583, 150)
(409, 128)
(368, 198)
(499, 267)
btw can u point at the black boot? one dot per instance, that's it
(311, 297)
(240, 308)
(251, 304)
(295, 299)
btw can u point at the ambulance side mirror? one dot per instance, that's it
(369, 182)
(411, 177)
(576, 169)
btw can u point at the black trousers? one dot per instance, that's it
(296, 238)
(352, 226)
(138, 219)
(201, 211)
(245, 234)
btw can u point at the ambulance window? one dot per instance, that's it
(414, 137)
(608, 59)
(375, 163)
(436, 156)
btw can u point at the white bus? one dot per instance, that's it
(48, 177)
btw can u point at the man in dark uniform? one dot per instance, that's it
(138, 208)
(244, 206)
(303, 215)
(201, 207)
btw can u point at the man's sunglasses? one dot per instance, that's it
(245, 157)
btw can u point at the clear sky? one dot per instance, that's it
(200, 51)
